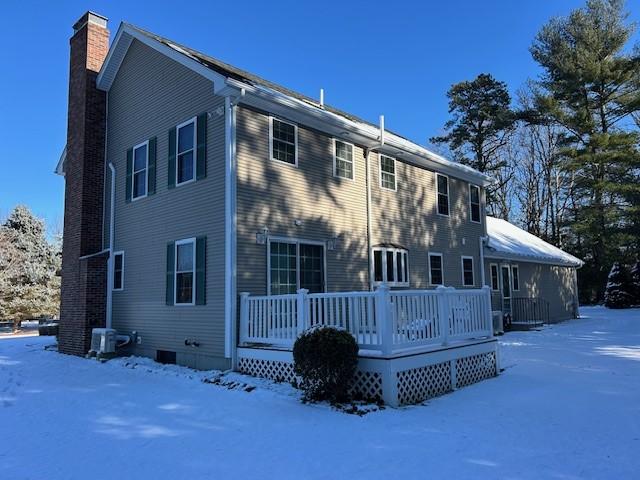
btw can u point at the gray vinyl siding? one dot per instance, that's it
(151, 94)
(274, 195)
(408, 217)
(556, 284)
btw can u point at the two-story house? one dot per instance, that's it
(191, 185)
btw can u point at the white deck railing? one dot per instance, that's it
(383, 321)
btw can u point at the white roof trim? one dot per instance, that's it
(276, 102)
(120, 45)
(507, 242)
(60, 166)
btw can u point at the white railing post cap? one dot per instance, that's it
(244, 294)
(303, 291)
(384, 287)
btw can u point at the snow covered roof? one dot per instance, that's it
(507, 241)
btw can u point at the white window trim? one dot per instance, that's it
(297, 242)
(448, 195)
(115, 254)
(335, 160)
(471, 185)
(491, 266)
(395, 173)
(193, 120)
(473, 270)
(175, 272)
(133, 171)
(295, 141)
(435, 254)
(513, 286)
(384, 251)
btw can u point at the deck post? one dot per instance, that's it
(301, 310)
(384, 318)
(244, 316)
(487, 310)
(444, 308)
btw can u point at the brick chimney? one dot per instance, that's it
(84, 267)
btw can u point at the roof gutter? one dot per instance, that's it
(378, 139)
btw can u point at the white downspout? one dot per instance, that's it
(231, 344)
(110, 262)
(368, 183)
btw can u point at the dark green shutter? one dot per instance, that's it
(171, 250)
(201, 154)
(129, 175)
(172, 158)
(201, 262)
(151, 187)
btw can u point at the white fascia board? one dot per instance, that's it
(488, 253)
(121, 44)
(363, 134)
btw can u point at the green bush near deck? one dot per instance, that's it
(325, 359)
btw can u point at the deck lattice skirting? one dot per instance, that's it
(414, 345)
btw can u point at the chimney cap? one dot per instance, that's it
(90, 17)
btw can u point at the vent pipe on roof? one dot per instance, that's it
(322, 97)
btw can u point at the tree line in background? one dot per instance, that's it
(29, 268)
(564, 153)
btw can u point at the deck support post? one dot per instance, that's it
(301, 310)
(244, 316)
(384, 318)
(444, 309)
(487, 310)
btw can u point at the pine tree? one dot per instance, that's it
(479, 129)
(29, 268)
(590, 88)
(635, 283)
(617, 291)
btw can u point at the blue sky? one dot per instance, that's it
(396, 60)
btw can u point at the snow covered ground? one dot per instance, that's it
(566, 406)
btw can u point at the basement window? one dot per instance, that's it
(442, 182)
(283, 142)
(391, 266)
(165, 356)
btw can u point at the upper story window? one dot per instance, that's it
(494, 277)
(474, 203)
(185, 272)
(391, 266)
(186, 143)
(515, 277)
(442, 182)
(343, 159)
(467, 271)
(118, 271)
(283, 142)
(140, 172)
(387, 172)
(435, 269)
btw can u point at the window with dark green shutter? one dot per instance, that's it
(140, 171)
(186, 272)
(151, 173)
